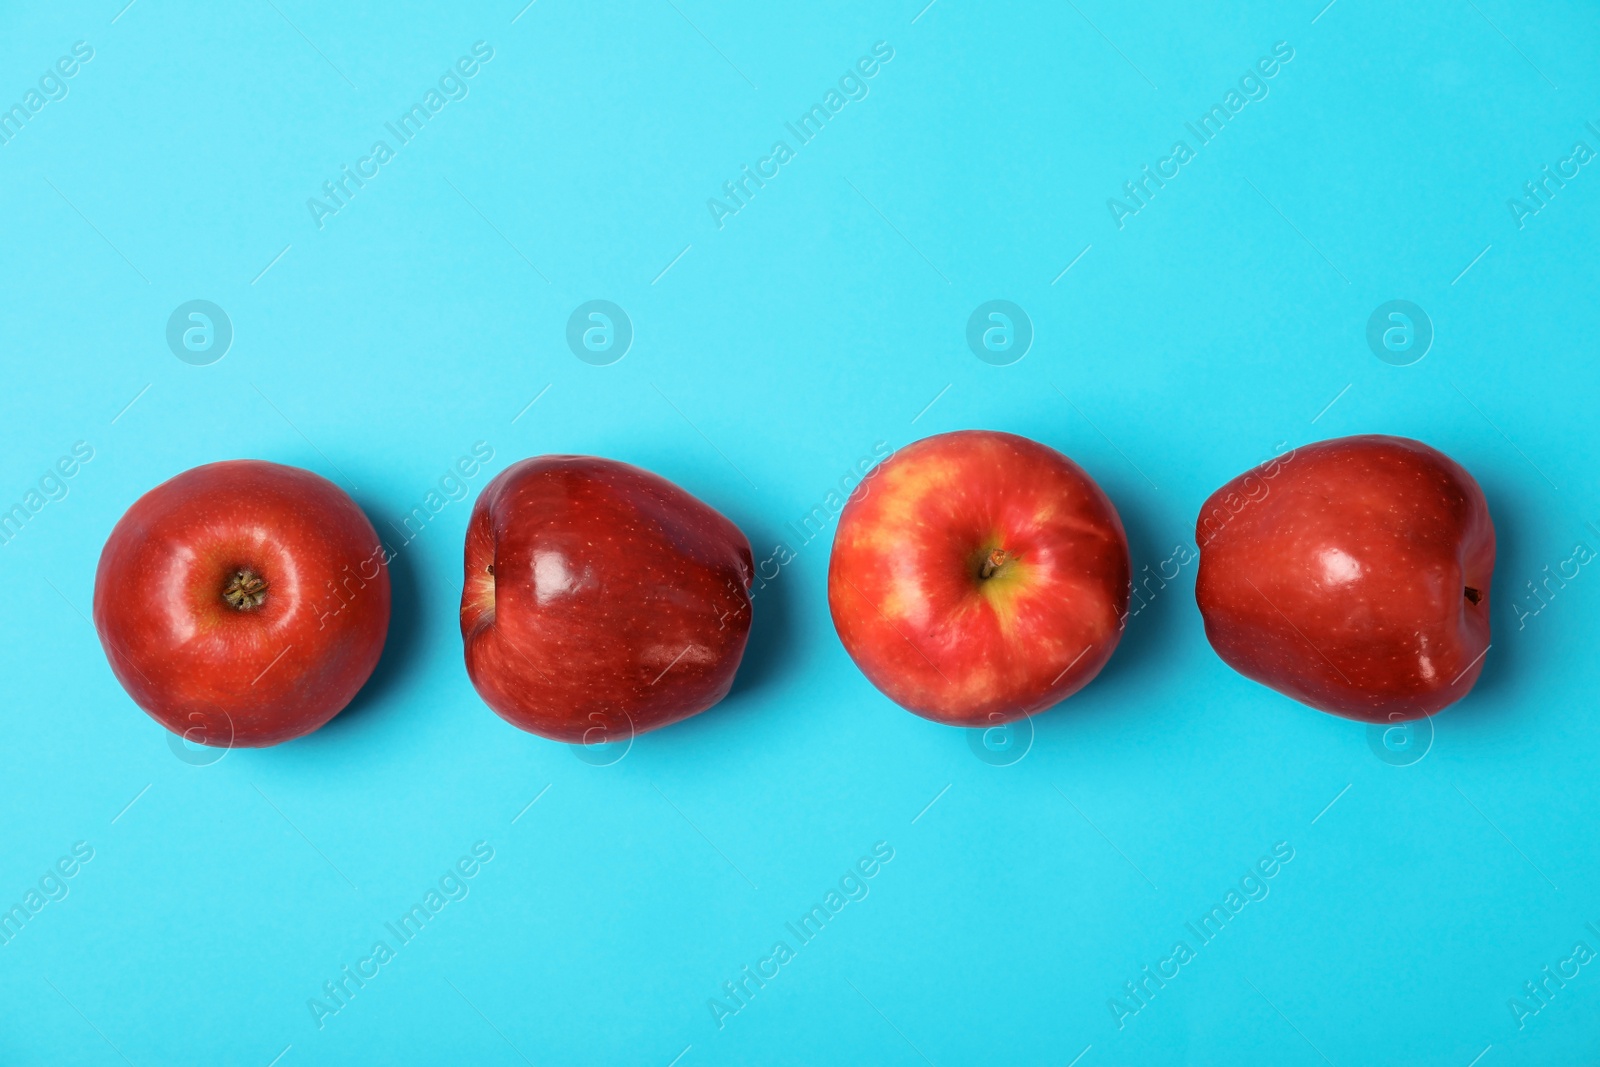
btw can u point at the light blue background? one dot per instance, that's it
(822, 318)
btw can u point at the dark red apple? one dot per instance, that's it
(242, 603)
(600, 600)
(978, 577)
(1352, 575)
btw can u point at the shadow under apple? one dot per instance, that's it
(1505, 667)
(407, 614)
(768, 656)
(1157, 608)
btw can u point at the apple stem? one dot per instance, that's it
(1473, 595)
(992, 563)
(245, 591)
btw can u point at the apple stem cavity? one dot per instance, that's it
(992, 563)
(1473, 595)
(246, 590)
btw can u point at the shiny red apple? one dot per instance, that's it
(978, 577)
(600, 600)
(1352, 575)
(242, 603)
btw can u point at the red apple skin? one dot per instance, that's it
(600, 600)
(246, 677)
(911, 604)
(1352, 575)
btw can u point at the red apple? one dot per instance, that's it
(242, 603)
(1352, 575)
(600, 600)
(978, 577)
